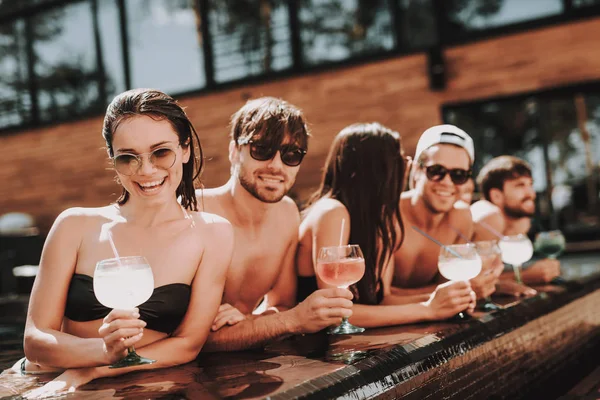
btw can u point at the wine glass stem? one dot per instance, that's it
(517, 269)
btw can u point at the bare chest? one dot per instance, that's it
(416, 262)
(257, 263)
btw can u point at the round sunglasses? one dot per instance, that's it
(129, 164)
(291, 155)
(438, 172)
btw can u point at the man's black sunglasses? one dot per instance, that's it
(438, 172)
(291, 155)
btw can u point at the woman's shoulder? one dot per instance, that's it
(327, 208)
(75, 215)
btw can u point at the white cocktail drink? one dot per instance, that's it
(125, 287)
(459, 269)
(459, 262)
(516, 252)
(124, 283)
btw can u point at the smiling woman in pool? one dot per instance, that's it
(153, 147)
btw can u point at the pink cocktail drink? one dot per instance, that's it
(341, 273)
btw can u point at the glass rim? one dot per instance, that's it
(114, 259)
(481, 242)
(518, 236)
(339, 246)
(455, 245)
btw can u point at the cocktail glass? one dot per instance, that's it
(124, 283)
(516, 249)
(459, 262)
(341, 266)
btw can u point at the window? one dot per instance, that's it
(165, 45)
(557, 132)
(333, 30)
(476, 15)
(417, 25)
(110, 47)
(15, 101)
(66, 69)
(249, 38)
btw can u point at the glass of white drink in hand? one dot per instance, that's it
(459, 262)
(124, 283)
(516, 249)
(341, 266)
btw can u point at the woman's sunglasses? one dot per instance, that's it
(438, 172)
(291, 155)
(129, 164)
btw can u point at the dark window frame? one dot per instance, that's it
(298, 67)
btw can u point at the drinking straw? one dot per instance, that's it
(491, 230)
(114, 248)
(436, 242)
(342, 231)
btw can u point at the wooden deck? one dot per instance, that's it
(536, 348)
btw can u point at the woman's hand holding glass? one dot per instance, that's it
(120, 330)
(122, 284)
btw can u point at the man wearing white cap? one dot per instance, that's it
(443, 162)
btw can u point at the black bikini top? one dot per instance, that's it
(163, 311)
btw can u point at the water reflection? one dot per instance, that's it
(239, 375)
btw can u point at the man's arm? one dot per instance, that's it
(254, 331)
(321, 309)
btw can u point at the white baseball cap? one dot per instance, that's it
(445, 134)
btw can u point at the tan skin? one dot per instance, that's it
(519, 194)
(432, 208)
(322, 227)
(266, 235)
(194, 249)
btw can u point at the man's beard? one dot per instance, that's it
(429, 205)
(253, 190)
(517, 212)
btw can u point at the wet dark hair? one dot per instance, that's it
(365, 172)
(499, 170)
(158, 106)
(269, 120)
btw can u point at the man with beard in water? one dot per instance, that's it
(269, 140)
(509, 203)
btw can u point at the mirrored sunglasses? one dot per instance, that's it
(129, 164)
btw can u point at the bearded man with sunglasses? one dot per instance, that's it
(506, 184)
(443, 161)
(269, 140)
